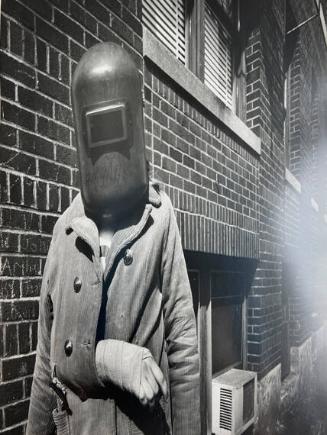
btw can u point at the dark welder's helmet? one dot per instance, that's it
(108, 113)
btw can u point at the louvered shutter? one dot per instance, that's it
(166, 20)
(217, 57)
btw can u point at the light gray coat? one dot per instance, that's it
(149, 303)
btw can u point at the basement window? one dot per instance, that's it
(227, 320)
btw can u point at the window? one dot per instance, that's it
(202, 34)
(227, 320)
(166, 20)
(218, 70)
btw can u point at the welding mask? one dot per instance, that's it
(108, 114)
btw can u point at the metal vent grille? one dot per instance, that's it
(248, 401)
(166, 20)
(217, 57)
(225, 420)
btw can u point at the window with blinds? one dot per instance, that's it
(166, 20)
(217, 56)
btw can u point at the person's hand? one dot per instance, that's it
(132, 368)
(153, 383)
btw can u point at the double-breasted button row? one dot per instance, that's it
(68, 347)
(128, 257)
(77, 284)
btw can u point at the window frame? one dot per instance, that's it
(243, 302)
(195, 39)
(195, 43)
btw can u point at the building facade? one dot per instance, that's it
(235, 122)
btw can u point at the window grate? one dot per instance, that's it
(217, 57)
(225, 409)
(166, 20)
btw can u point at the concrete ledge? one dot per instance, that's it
(269, 402)
(303, 358)
(292, 181)
(163, 59)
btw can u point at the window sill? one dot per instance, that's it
(157, 53)
(292, 181)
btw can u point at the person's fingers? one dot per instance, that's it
(141, 396)
(148, 392)
(149, 376)
(159, 377)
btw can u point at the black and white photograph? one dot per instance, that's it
(163, 217)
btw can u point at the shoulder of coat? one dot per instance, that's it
(72, 211)
(165, 211)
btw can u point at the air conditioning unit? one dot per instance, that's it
(234, 402)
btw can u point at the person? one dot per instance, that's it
(117, 347)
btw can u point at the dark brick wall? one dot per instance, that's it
(41, 42)
(265, 117)
(211, 177)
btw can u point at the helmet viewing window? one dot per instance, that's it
(106, 125)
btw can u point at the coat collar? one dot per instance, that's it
(84, 227)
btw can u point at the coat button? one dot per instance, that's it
(77, 284)
(128, 257)
(68, 347)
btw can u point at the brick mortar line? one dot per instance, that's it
(16, 402)
(20, 279)
(17, 425)
(36, 36)
(13, 357)
(23, 299)
(111, 29)
(214, 220)
(22, 255)
(14, 380)
(150, 117)
(49, 22)
(34, 178)
(37, 91)
(33, 32)
(36, 14)
(97, 19)
(208, 200)
(29, 210)
(205, 153)
(34, 67)
(34, 112)
(36, 156)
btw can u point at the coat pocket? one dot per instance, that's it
(61, 421)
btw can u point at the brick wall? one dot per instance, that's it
(304, 226)
(306, 76)
(265, 116)
(211, 177)
(41, 42)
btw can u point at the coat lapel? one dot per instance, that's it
(124, 236)
(126, 233)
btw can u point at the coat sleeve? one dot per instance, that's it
(42, 402)
(180, 334)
